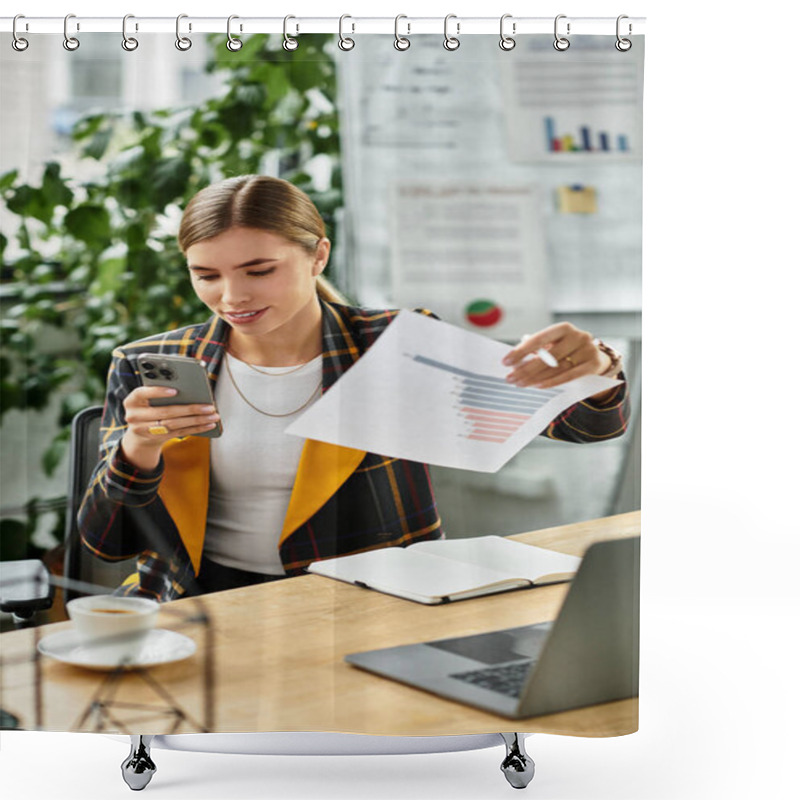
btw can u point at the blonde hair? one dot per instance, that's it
(256, 201)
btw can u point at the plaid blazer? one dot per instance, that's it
(343, 500)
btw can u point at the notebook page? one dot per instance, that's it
(404, 572)
(514, 559)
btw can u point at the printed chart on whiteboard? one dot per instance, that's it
(492, 187)
(473, 253)
(586, 105)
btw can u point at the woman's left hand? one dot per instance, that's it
(574, 350)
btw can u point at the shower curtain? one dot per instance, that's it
(499, 187)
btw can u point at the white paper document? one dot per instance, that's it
(432, 392)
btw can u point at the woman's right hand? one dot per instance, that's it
(142, 442)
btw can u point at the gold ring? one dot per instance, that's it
(158, 430)
(567, 358)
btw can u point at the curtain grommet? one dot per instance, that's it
(622, 44)
(234, 43)
(346, 43)
(290, 44)
(451, 43)
(507, 42)
(401, 43)
(129, 43)
(19, 43)
(560, 43)
(70, 43)
(182, 43)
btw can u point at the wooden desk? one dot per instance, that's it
(278, 654)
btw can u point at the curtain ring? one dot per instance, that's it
(128, 42)
(183, 43)
(71, 43)
(400, 42)
(451, 42)
(345, 42)
(561, 43)
(18, 43)
(233, 44)
(289, 43)
(623, 45)
(507, 42)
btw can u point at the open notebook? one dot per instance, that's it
(451, 569)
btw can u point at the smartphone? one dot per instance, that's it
(187, 375)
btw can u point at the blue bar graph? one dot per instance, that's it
(587, 141)
(550, 132)
(487, 391)
(497, 383)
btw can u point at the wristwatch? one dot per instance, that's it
(616, 359)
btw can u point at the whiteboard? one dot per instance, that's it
(475, 117)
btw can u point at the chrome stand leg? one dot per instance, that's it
(518, 766)
(138, 768)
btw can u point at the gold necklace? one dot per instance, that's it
(260, 411)
(274, 374)
(262, 371)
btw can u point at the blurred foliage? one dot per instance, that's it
(98, 257)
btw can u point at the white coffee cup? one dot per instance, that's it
(117, 626)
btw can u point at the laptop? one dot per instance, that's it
(588, 655)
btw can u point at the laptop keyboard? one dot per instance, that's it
(507, 679)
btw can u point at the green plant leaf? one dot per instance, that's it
(169, 180)
(88, 125)
(130, 159)
(109, 272)
(11, 396)
(54, 188)
(7, 179)
(98, 144)
(30, 202)
(89, 223)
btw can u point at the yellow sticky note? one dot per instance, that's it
(577, 200)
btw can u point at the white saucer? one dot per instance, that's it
(160, 647)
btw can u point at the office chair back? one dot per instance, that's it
(79, 563)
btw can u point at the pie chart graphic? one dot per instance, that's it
(484, 313)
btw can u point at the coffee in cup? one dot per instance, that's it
(117, 626)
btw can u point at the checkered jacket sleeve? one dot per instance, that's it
(115, 484)
(588, 420)
(592, 421)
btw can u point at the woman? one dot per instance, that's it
(256, 504)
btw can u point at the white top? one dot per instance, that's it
(254, 463)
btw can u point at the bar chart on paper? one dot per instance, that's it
(433, 392)
(492, 410)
